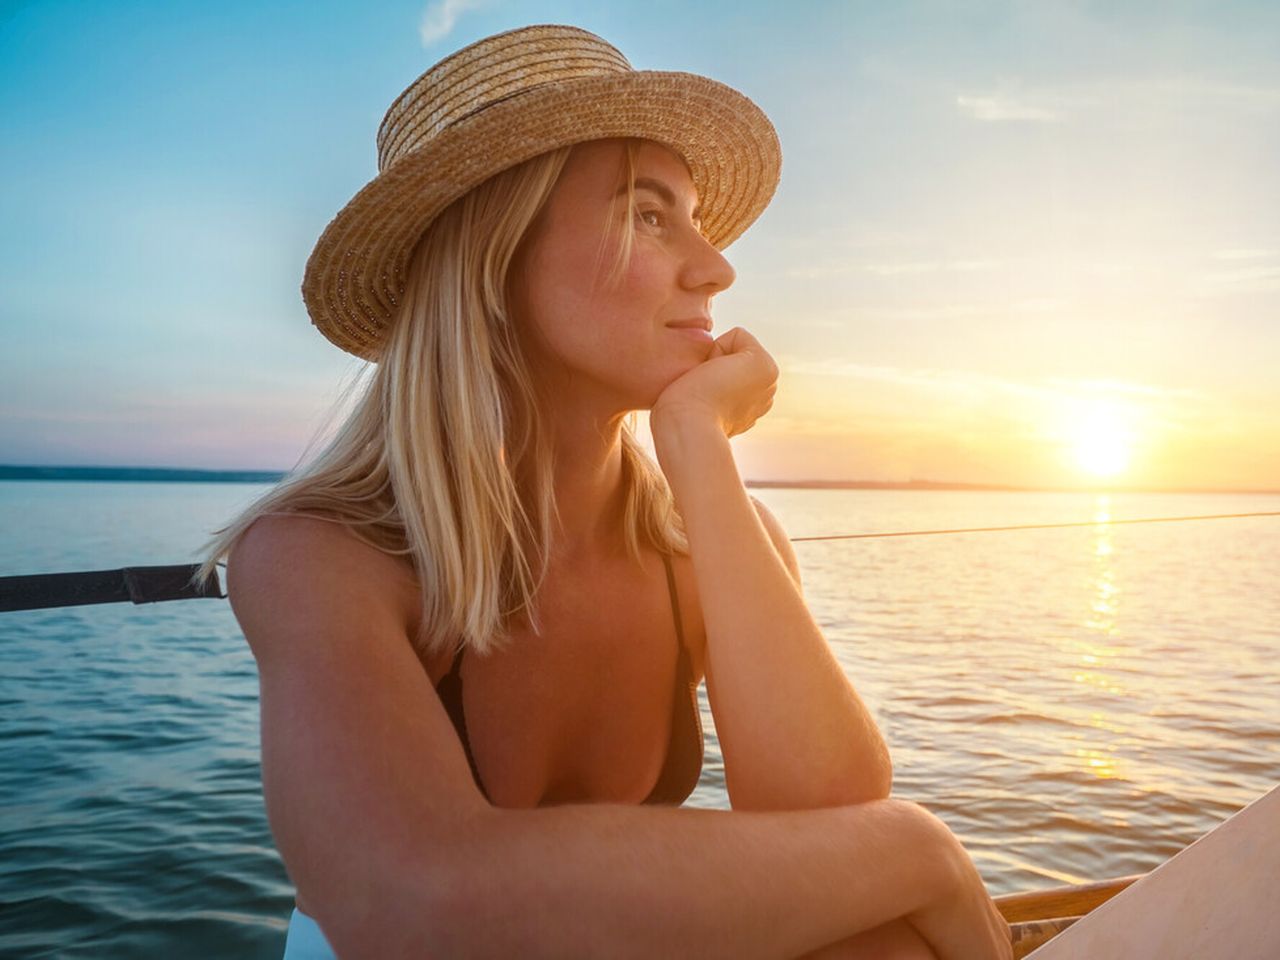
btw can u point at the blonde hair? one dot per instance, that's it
(445, 457)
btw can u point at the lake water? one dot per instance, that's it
(1076, 704)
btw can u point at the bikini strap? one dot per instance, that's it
(675, 611)
(456, 669)
(449, 689)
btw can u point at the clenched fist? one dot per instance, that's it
(733, 387)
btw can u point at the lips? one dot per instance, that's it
(694, 323)
(697, 330)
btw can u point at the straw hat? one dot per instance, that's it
(497, 103)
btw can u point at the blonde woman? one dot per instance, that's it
(480, 616)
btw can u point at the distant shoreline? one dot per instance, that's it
(183, 475)
(140, 474)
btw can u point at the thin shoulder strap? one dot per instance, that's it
(683, 766)
(455, 671)
(675, 606)
(449, 690)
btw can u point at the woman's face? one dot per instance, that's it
(622, 340)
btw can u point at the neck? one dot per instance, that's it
(587, 478)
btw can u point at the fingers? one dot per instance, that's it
(739, 341)
(736, 384)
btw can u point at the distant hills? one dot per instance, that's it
(182, 475)
(140, 474)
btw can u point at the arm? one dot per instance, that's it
(376, 816)
(794, 732)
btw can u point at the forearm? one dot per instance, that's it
(617, 881)
(794, 734)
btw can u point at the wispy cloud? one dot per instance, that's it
(1246, 253)
(1252, 278)
(981, 384)
(892, 268)
(1122, 388)
(1001, 108)
(440, 16)
(1138, 97)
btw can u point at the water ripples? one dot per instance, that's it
(1074, 704)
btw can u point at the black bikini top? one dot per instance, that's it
(683, 766)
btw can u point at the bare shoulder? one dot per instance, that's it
(292, 575)
(287, 537)
(778, 535)
(363, 775)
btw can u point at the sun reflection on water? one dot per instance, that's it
(1096, 649)
(1102, 765)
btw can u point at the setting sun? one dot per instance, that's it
(1103, 440)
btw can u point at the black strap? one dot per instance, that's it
(683, 766)
(449, 689)
(675, 607)
(135, 584)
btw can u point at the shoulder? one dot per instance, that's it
(778, 536)
(292, 574)
(280, 547)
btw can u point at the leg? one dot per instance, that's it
(897, 940)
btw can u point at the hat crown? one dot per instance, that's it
(487, 72)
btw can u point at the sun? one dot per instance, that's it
(1103, 441)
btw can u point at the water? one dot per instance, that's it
(1076, 704)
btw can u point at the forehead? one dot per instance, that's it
(599, 167)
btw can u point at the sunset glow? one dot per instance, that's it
(982, 265)
(1103, 441)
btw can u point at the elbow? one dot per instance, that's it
(880, 781)
(424, 903)
(884, 774)
(862, 790)
(869, 780)
(880, 786)
(418, 919)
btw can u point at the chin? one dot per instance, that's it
(652, 394)
(646, 383)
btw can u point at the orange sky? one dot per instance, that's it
(1007, 239)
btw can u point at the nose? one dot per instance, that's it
(706, 267)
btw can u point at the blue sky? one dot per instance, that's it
(1003, 228)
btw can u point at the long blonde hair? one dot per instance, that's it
(445, 457)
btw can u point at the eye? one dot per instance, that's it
(651, 217)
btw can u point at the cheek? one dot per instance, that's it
(551, 295)
(576, 312)
(613, 334)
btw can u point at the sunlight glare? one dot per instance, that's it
(1102, 439)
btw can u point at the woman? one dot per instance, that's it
(481, 614)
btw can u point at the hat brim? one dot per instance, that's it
(355, 276)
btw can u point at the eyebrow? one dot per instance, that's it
(662, 190)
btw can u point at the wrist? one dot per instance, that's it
(687, 417)
(680, 432)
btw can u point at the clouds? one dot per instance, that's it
(839, 418)
(996, 109)
(1168, 97)
(440, 17)
(996, 389)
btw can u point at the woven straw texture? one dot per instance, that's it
(497, 103)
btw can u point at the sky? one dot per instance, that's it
(1033, 244)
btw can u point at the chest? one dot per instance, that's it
(580, 709)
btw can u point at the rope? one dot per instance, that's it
(152, 584)
(1031, 526)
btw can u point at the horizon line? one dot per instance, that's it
(194, 474)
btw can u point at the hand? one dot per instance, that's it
(733, 387)
(963, 922)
